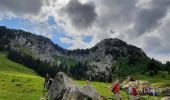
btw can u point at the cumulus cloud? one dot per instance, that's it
(43, 29)
(20, 8)
(81, 15)
(156, 43)
(163, 33)
(116, 13)
(110, 15)
(149, 18)
(73, 41)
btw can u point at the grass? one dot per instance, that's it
(18, 82)
(104, 89)
(157, 80)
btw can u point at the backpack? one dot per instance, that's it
(134, 92)
(115, 88)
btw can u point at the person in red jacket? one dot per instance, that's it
(116, 90)
(133, 92)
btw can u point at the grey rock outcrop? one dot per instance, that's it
(64, 88)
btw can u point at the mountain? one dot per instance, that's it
(40, 47)
(107, 60)
(107, 51)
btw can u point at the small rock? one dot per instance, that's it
(165, 98)
(166, 92)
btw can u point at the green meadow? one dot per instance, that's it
(18, 82)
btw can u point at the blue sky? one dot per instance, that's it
(24, 24)
(15, 23)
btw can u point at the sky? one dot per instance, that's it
(74, 24)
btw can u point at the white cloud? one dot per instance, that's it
(76, 42)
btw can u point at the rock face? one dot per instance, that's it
(64, 88)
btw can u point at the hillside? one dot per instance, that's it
(18, 82)
(106, 61)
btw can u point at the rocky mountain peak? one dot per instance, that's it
(112, 42)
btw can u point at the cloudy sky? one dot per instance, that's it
(82, 23)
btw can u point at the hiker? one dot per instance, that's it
(131, 78)
(87, 82)
(132, 90)
(116, 90)
(47, 77)
(140, 87)
(153, 92)
(146, 89)
(49, 83)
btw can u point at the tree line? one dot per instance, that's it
(78, 71)
(130, 65)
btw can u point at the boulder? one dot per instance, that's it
(64, 88)
(91, 92)
(165, 98)
(166, 92)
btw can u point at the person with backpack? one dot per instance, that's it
(46, 79)
(132, 90)
(153, 92)
(116, 90)
(49, 83)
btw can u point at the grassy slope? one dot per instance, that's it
(157, 80)
(18, 82)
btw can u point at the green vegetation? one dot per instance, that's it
(139, 65)
(130, 65)
(104, 89)
(162, 79)
(69, 62)
(69, 66)
(18, 82)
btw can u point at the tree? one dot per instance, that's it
(167, 66)
(155, 66)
